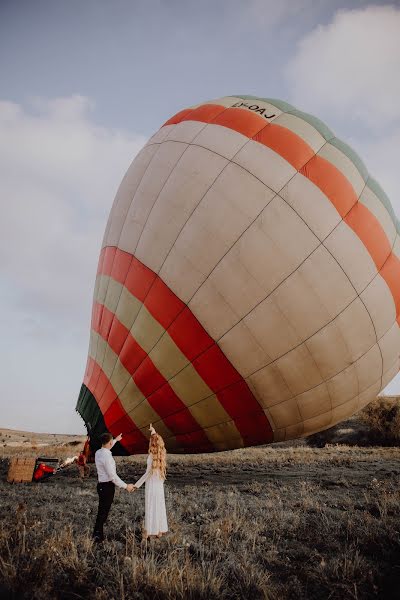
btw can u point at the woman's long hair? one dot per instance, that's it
(159, 454)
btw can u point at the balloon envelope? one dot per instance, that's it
(248, 288)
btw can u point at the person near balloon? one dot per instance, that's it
(108, 479)
(155, 520)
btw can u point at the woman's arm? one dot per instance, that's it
(146, 475)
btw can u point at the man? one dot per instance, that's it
(108, 479)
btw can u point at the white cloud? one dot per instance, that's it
(351, 67)
(59, 173)
(348, 74)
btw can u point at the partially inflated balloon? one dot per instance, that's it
(248, 288)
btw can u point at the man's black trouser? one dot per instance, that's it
(106, 493)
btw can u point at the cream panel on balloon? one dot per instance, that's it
(379, 302)
(343, 163)
(120, 378)
(128, 308)
(314, 402)
(343, 411)
(144, 414)
(330, 350)
(181, 274)
(208, 412)
(302, 128)
(101, 347)
(113, 295)
(243, 351)
(187, 185)
(221, 140)
(311, 204)
(131, 397)
(369, 368)
(389, 345)
(101, 289)
(212, 310)
(286, 414)
(271, 329)
(269, 386)
(186, 131)
(343, 387)
(275, 245)
(126, 193)
(110, 358)
(167, 357)
(368, 395)
(299, 370)
(375, 206)
(268, 166)
(293, 431)
(224, 436)
(336, 346)
(146, 330)
(153, 181)
(208, 228)
(352, 255)
(357, 331)
(235, 283)
(161, 134)
(318, 423)
(191, 389)
(315, 293)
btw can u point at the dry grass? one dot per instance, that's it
(273, 523)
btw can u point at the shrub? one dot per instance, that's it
(382, 416)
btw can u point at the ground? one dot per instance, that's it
(278, 522)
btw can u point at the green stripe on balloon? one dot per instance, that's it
(90, 412)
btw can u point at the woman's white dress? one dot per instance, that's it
(155, 519)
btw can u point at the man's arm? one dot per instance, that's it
(111, 470)
(117, 439)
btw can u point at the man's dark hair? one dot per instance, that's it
(105, 438)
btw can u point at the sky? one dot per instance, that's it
(83, 85)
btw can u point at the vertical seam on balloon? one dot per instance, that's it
(130, 204)
(219, 174)
(183, 408)
(155, 200)
(291, 207)
(310, 389)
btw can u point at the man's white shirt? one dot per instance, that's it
(106, 468)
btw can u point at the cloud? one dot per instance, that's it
(59, 173)
(351, 67)
(348, 74)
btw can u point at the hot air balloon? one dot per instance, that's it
(248, 287)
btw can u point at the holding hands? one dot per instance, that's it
(131, 487)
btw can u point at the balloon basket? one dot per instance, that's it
(21, 470)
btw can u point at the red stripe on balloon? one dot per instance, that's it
(286, 143)
(198, 347)
(114, 412)
(328, 178)
(391, 274)
(148, 379)
(370, 232)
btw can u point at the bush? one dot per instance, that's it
(382, 416)
(378, 424)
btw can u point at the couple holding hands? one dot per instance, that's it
(155, 522)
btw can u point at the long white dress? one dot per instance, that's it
(155, 519)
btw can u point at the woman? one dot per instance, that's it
(155, 520)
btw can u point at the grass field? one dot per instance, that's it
(277, 522)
